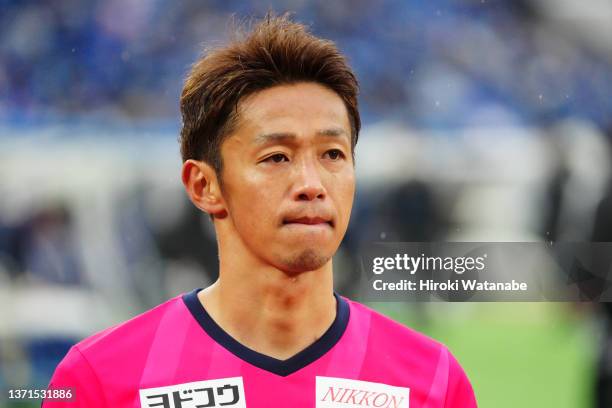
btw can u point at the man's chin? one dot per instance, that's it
(305, 261)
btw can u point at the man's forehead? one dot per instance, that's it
(283, 113)
(295, 100)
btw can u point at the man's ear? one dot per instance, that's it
(202, 186)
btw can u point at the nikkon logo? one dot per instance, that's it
(341, 392)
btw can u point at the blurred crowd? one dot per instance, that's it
(441, 63)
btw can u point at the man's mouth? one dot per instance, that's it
(315, 221)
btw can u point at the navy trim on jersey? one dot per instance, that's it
(271, 364)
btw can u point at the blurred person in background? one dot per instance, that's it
(270, 124)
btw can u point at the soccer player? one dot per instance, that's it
(270, 124)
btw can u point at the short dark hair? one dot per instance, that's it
(276, 51)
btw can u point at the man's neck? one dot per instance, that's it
(271, 312)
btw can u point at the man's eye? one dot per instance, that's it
(334, 154)
(277, 158)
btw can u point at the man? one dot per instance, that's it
(270, 123)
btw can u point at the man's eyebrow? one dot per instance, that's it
(280, 137)
(332, 132)
(277, 137)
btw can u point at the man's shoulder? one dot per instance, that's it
(109, 363)
(408, 351)
(130, 334)
(383, 330)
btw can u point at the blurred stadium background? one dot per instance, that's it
(483, 121)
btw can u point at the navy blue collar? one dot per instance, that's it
(271, 364)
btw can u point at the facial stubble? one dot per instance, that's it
(307, 260)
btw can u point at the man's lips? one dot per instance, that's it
(308, 221)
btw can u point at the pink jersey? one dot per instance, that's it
(176, 356)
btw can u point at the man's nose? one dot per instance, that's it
(308, 183)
